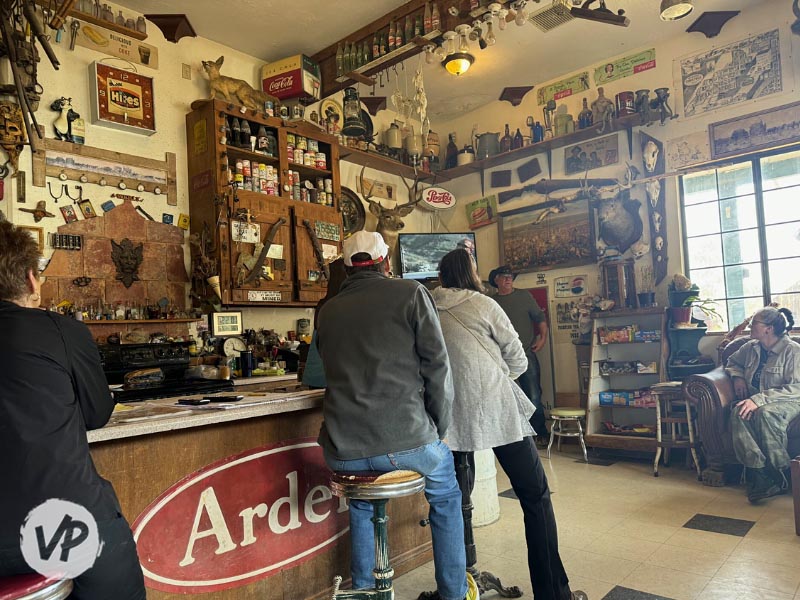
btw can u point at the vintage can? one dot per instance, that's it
(246, 168)
(322, 160)
(291, 140)
(303, 194)
(289, 177)
(262, 170)
(626, 104)
(320, 184)
(308, 159)
(313, 145)
(298, 156)
(263, 185)
(290, 153)
(329, 186)
(269, 108)
(296, 176)
(296, 191)
(302, 143)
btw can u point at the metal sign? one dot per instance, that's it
(438, 198)
(263, 296)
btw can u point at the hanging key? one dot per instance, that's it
(73, 33)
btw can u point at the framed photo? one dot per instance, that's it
(756, 131)
(222, 324)
(37, 233)
(70, 216)
(122, 99)
(591, 154)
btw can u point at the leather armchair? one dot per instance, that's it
(712, 393)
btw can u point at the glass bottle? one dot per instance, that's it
(376, 47)
(367, 56)
(227, 132)
(346, 58)
(451, 153)
(339, 60)
(585, 116)
(120, 20)
(517, 143)
(261, 140)
(384, 49)
(436, 20)
(538, 132)
(392, 36)
(409, 30)
(427, 18)
(418, 26)
(141, 24)
(236, 130)
(96, 9)
(506, 142)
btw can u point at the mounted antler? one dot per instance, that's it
(390, 219)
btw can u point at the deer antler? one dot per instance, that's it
(413, 196)
(367, 196)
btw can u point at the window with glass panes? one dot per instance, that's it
(742, 234)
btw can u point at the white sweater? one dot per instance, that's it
(489, 409)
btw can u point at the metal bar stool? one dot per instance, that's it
(34, 587)
(567, 415)
(377, 488)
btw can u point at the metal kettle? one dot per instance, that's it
(488, 144)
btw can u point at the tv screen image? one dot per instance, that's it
(420, 253)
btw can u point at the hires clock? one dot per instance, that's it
(122, 99)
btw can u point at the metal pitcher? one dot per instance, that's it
(488, 144)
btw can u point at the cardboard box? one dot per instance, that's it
(639, 398)
(293, 77)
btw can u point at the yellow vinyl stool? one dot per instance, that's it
(567, 415)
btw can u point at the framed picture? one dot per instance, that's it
(70, 216)
(591, 154)
(37, 233)
(756, 131)
(122, 99)
(222, 324)
(87, 209)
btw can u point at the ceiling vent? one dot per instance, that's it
(552, 16)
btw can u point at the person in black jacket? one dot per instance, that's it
(52, 390)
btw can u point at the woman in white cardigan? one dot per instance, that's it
(491, 411)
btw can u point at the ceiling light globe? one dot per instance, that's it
(672, 10)
(459, 63)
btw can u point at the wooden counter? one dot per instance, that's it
(145, 455)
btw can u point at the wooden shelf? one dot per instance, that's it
(622, 343)
(625, 406)
(129, 321)
(621, 442)
(627, 312)
(309, 171)
(101, 23)
(253, 156)
(625, 123)
(387, 165)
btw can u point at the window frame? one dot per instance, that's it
(754, 160)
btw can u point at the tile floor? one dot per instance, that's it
(623, 536)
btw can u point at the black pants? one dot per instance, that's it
(521, 463)
(116, 574)
(529, 381)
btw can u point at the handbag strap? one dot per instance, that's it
(473, 334)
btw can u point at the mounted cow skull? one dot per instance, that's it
(390, 220)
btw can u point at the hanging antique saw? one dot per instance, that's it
(257, 273)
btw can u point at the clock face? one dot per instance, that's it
(233, 345)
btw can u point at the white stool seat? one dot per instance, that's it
(560, 416)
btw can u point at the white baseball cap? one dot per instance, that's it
(369, 242)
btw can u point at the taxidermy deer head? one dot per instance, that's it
(390, 220)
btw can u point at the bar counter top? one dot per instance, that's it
(164, 414)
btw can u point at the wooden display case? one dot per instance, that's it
(614, 350)
(294, 262)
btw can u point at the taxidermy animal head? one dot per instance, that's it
(650, 156)
(619, 222)
(127, 259)
(234, 90)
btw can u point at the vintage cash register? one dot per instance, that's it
(173, 360)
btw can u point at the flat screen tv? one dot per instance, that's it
(420, 253)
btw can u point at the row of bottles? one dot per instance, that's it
(353, 55)
(250, 136)
(104, 13)
(122, 311)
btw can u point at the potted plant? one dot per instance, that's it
(646, 287)
(693, 306)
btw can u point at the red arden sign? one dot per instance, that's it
(240, 519)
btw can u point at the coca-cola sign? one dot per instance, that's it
(240, 519)
(281, 83)
(438, 198)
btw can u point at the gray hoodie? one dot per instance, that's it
(489, 409)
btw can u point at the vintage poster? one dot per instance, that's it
(743, 70)
(625, 67)
(570, 286)
(756, 131)
(561, 89)
(482, 212)
(566, 319)
(115, 44)
(547, 235)
(688, 150)
(591, 154)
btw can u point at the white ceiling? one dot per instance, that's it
(273, 29)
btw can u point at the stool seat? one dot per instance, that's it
(376, 485)
(34, 587)
(568, 412)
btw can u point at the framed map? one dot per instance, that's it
(744, 70)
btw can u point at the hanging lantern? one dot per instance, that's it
(353, 123)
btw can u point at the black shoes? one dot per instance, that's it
(763, 483)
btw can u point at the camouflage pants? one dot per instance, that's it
(762, 440)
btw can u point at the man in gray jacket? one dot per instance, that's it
(388, 402)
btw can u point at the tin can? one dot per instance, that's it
(283, 111)
(290, 153)
(625, 104)
(246, 168)
(308, 159)
(320, 184)
(303, 194)
(329, 186)
(302, 143)
(313, 145)
(269, 108)
(291, 139)
(270, 171)
(263, 185)
(322, 160)
(296, 191)
(290, 177)
(298, 156)
(262, 170)
(296, 176)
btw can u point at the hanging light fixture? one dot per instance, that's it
(521, 15)
(672, 10)
(458, 63)
(501, 18)
(463, 43)
(430, 57)
(449, 43)
(353, 123)
(490, 38)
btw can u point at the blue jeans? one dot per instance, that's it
(435, 461)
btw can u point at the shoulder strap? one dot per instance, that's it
(473, 334)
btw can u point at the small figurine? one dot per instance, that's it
(62, 126)
(40, 212)
(642, 104)
(602, 110)
(235, 90)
